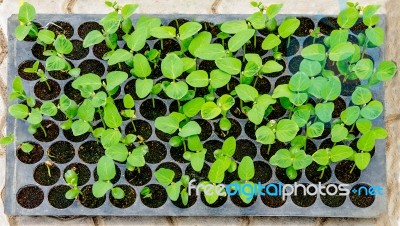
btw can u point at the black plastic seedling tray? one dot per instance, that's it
(21, 183)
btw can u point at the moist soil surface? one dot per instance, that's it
(235, 130)
(151, 113)
(78, 52)
(273, 148)
(211, 146)
(239, 202)
(114, 180)
(70, 136)
(46, 174)
(177, 154)
(192, 200)
(88, 200)
(61, 152)
(87, 27)
(47, 92)
(263, 172)
(306, 24)
(158, 196)
(90, 152)
(127, 200)
(342, 172)
(140, 176)
(62, 28)
(30, 196)
(82, 170)
(57, 198)
(272, 201)
(333, 199)
(32, 157)
(26, 75)
(244, 148)
(302, 199)
(281, 175)
(92, 66)
(143, 129)
(51, 129)
(157, 152)
(172, 166)
(359, 196)
(314, 175)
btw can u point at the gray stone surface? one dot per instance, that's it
(391, 7)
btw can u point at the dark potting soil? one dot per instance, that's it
(228, 87)
(173, 107)
(302, 199)
(211, 146)
(250, 129)
(198, 176)
(114, 180)
(100, 49)
(90, 152)
(332, 197)
(327, 143)
(177, 154)
(87, 27)
(78, 52)
(244, 148)
(81, 170)
(92, 66)
(289, 46)
(172, 166)
(57, 198)
(26, 75)
(30, 196)
(353, 39)
(61, 75)
(169, 46)
(60, 116)
(314, 175)
(46, 174)
(37, 51)
(327, 25)
(164, 136)
(360, 196)
(311, 148)
(281, 175)
(140, 176)
(306, 24)
(331, 65)
(143, 129)
(43, 92)
(155, 71)
(191, 201)
(51, 129)
(32, 157)
(177, 23)
(72, 93)
(282, 80)
(157, 152)
(353, 145)
(353, 130)
(340, 105)
(277, 111)
(326, 132)
(115, 92)
(342, 172)
(210, 27)
(220, 201)
(70, 136)
(207, 65)
(263, 85)
(310, 40)
(230, 178)
(294, 64)
(234, 131)
(272, 201)
(348, 86)
(127, 200)
(62, 28)
(130, 89)
(87, 198)
(158, 196)
(239, 202)
(31, 36)
(119, 103)
(272, 150)
(151, 113)
(359, 27)
(281, 62)
(251, 48)
(206, 129)
(263, 172)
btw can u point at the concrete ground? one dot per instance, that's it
(390, 7)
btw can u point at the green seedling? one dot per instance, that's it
(174, 189)
(71, 177)
(146, 193)
(106, 171)
(9, 139)
(39, 72)
(324, 157)
(246, 173)
(292, 160)
(129, 104)
(26, 15)
(223, 161)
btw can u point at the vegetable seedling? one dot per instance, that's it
(292, 160)
(165, 177)
(71, 177)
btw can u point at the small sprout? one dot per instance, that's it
(49, 164)
(146, 193)
(71, 177)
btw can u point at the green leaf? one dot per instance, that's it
(128, 9)
(246, 169)
(99, 99)
(86, 111)
(217, 170)
(71, 177)
(112, 118)
(129, 102)
(197, 159)
(265, 135)
(348, 17)
(324, 111)
(298, 99)
(136, 159)
(6, 140)
(106, 168)
(257, 20)
(315, 130)
(163, 32)
(27, 13)
(229, 65)
(301, 116)
(56, 63)
(174, 190)
(203, 38)
(341, 51)
(143, 87)
(167, 124)
(188, 29)
(273, 10)
(63, 45)
(46, 36)
(19, 111)
(339, 133)
(92, 38)
(331, 89)
(286, 130)
(194, 144)
(310, 68)
(301, 160)
(386, 70)
(110, 137)
(219, 78)
(376, 35)
(341, 152)
(282, 91)
(380, 133)
(120, 55)
(364, 125)
(282, 158)
(164, 176)
(229, 147)
(141, 66)
(239, 39)
(117, 193)
(350, 115)
(316, 84)
(172, 66)
(117, 152)
(321, 157)
(210, 52)
(337, 37)
(234, 26)
(271, 66)
(176, 90)
(362, 160)
(100, 188)
(251, 69)
(197, 79)
(299, 82)
(21, 31)
(314, 52)
(190, 129)
(137, 40)
(193, 107)
(361, 96)
(288, 27)
(372, 110)
(246, 93)
(80, 127)
(210, 110)
(366, 141)
(270, 42)
(110, 23)
(48, 108)
(72, 193)
(364, 68)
